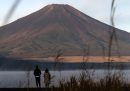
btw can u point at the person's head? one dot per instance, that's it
(36, 66)
(46, 70)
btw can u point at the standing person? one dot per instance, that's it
(47, 78)
(37, 74)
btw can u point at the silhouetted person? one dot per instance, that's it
(37, 74)
(47, 78)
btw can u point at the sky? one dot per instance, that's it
(98, 9)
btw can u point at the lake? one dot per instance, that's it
(21, 79)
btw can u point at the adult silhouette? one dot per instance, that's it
(47, 78)
(37, 74)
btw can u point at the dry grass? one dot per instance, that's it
(84, 83)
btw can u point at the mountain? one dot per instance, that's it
(59, 28)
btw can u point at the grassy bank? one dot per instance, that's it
(111, 82)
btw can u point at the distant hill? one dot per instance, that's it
(58, 27)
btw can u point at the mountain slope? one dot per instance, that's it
(58, 27)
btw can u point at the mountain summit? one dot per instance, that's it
(59, 28)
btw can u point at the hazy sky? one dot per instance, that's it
(98, 9)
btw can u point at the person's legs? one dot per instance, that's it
(36, 81)
(39, 82)
(47, 85)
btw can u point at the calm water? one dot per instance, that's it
(11, 79)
